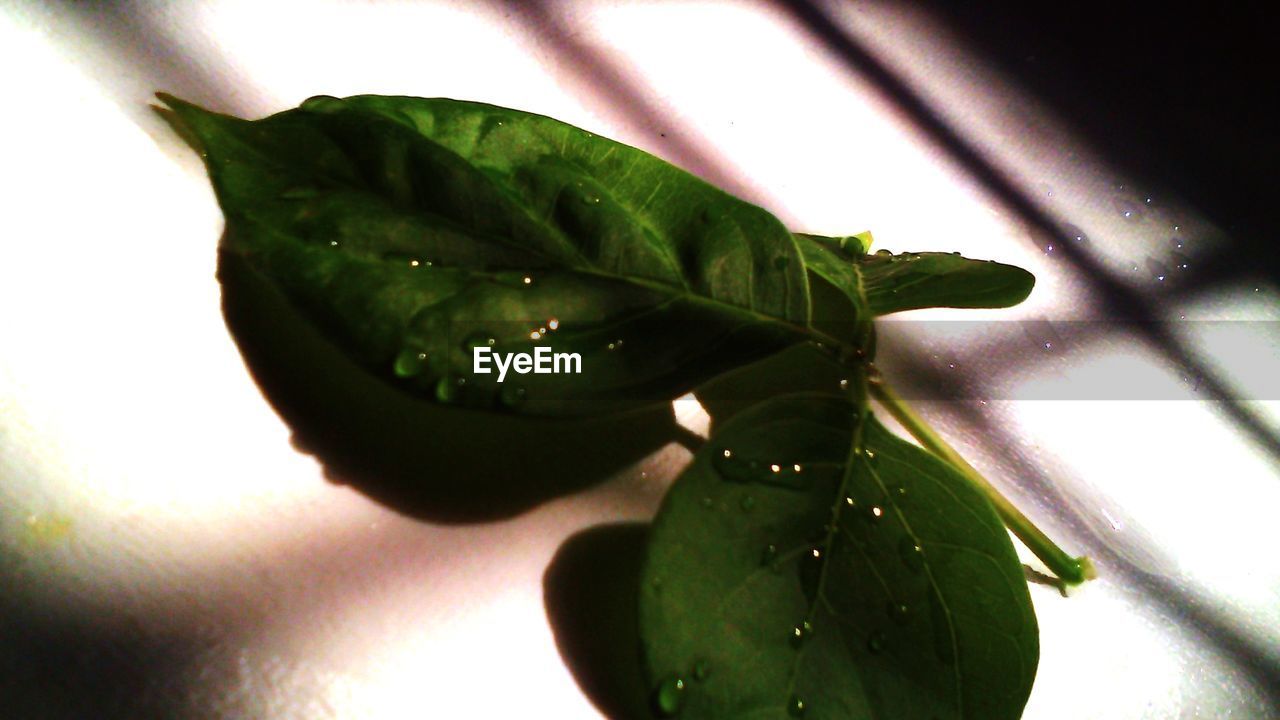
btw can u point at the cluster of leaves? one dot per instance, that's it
(807, 562)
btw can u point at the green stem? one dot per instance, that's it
(1070, 570)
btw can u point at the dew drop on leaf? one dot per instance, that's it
(796, 707)
(899, 612)
(876, 642)
(447, 389)
(883, 253)
(668, 697)
(769, 554)
(323, 104)
(911, 553)
(734, 468)
(478, 339)
(409, 362)
(512, 395)
(801, 633)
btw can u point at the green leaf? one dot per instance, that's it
(911, 281)
(412, 230)
(856, 586)
(833, 260)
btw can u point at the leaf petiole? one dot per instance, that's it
(1070, 570)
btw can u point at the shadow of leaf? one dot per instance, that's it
(437, 463)
(591, 589)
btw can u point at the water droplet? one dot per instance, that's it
(900, 613)
(707, 502)
(512, 395)
(323, 104)
(668, 697)
(590, 198)
(875, 513)
(769, 554)
(747, 503)
(527, 280)
(333, 243)
(734, 468)
(844, 384)
(849, 501)
(1048, 345)
(1181, 261)
(447, 389)
(872, 458)
(409, 362)
(876, 642)
(478, 339)
(554, 324)
(1048, 249)
(912, 553)
(801, 633)
(796, 707)
(883, 253)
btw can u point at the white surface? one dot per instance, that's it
(146, 484)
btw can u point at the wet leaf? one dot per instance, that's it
(879, 585)
(413, 230)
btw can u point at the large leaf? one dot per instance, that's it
(413, 230)
(787, 575)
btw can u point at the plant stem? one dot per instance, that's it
(1070, 570)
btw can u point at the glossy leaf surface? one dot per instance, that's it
(911, 281)
(787, 576)
(413, 230)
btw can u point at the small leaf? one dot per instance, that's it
(911, 281)
(879, 585)
(413, 230)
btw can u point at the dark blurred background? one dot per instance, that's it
(1180, 97)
